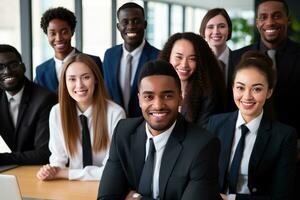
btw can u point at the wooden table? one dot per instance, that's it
(56, 189)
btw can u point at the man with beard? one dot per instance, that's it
(24, 112)
(122, 63)
(160, 155)
(272, 22)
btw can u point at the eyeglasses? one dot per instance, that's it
(13, 65)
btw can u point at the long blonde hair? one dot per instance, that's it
(68, 112)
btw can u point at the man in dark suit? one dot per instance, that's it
(24, 112)
(59, 26)
(272, 22)
(185, 155)
(132, 25)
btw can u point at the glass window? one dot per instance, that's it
(10, 32)
(193, 18)
(42, 51)
(96, 26)
(176, 19)
(157, 29)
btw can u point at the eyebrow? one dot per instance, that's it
(256, 84)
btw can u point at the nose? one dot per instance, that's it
(58, 37)
(269, 20)
(79, 83)
(184, 62)
(248, 94)
(158, 103)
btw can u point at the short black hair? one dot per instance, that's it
(5, 48)
(58, 13)
(159, 67)
(130, 5)
(285, 6)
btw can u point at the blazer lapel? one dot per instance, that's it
(262, 138)
(6, 121)
(143, 59)
(23, 106)
(171, 153)
(226, 138)
(138, 143)
(116, 64)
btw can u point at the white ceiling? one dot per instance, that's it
(208, 4)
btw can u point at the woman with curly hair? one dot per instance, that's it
(203, 87)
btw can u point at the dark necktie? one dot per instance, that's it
(272, 54)
(87, 158)
(127, 82)
(145, 185)
(223, 68)
(236, 162)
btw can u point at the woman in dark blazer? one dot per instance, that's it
(258, 163)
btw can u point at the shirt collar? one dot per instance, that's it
(87, 113)
(281, 47)
(253, 125)
(136, 51)
(160, 140)
(224, 55)
(17, 97)
(60, 62)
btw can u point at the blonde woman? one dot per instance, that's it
(81, 92)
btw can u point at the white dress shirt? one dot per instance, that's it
(59, 153)
(253, 125)
(14, 105)
(160, 142)
(136, 54)
(59, 63)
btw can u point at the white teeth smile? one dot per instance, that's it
(270, 30)
(59, 45)
(9, 78)
(131, 34)
(158, 114)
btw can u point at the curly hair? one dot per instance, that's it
(58, 13)
(206, 83)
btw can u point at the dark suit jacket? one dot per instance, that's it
(273, 159)
(46, 73)
(230, 101)
(111, 68)
(29, 140)
(286, 96)
(189, 166)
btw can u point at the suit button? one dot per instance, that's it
(254, 190)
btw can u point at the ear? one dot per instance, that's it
(270, 92)
(145, 24)
(138, 94)
(23, 67)
(118, 26)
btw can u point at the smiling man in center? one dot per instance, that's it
(160, 155)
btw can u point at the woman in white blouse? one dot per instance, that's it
(81, 92)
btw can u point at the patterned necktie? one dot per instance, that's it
(145, 185)
(236, 162)
(87, 158)
(127, 82)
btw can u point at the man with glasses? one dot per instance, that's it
(24, 112)
(122, 63)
